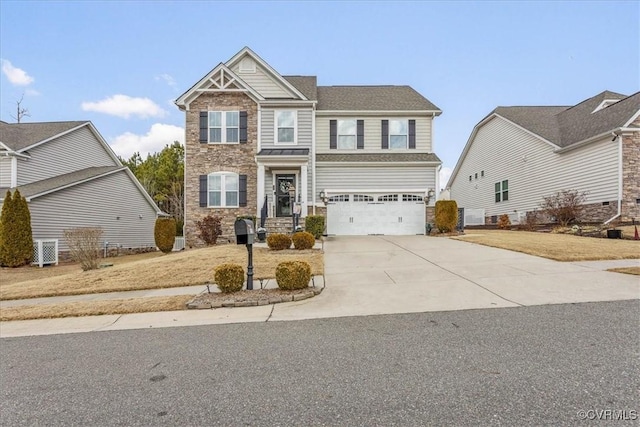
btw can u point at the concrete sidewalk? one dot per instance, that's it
(372, 275)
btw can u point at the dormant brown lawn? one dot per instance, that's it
(560, 247)
(191, 267)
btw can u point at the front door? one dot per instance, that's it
(283, 198)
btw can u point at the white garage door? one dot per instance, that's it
(363, 214)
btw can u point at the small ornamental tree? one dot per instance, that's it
(446, 214)
(164, 233)
(84, 245)
(565, 205)
(210, 229)
(17, 240)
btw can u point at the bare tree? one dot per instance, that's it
(565, 205)
(20, 112)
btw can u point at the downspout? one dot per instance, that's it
(619, 137)
(313, 158)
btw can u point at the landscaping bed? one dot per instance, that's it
(251, 298)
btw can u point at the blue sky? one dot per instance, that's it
(121, 64)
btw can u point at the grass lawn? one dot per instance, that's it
(560, 247)
(152, 271)
(626, 270)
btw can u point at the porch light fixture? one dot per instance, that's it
(430, 195)
(323, 197)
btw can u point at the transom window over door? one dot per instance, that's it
(347, 134)
(398, 133)
(286, 127)
(223, 189)
(224, 127)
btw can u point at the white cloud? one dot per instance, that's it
(445, 174)
(153, 141)
(15, 75)
(125, 106)
(168, 80)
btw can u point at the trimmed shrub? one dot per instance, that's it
(229, 277)
(446, 214)
(314, 224)
(16, 239)
(303, 240)
(164, 233)
(504, 222)
(564, 206)
(293, 275)
(210, 229)
(84, 245)
(531, 220)
(278, 241)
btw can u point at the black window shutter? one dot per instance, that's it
(333, 134)
(203, 191)
(242, 193)
(412, 134)
(360, 134)
(385, 134)
(204, 127)
(243, 127)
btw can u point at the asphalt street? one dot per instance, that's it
(570, 364)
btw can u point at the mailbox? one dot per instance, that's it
(244, 231)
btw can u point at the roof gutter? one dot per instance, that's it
(615, 132)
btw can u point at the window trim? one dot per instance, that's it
(223, 190)
(406, 135)
(501, 191)
(222, 127)
(355, 134)
(276, 127)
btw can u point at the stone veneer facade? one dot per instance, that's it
(631, 175)
(203, 159)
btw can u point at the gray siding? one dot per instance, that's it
(375, 178)
(304, 137)
(71, 152)
(373, 133)
(262, 83)
(96, 203)
(504, 151)
(5, 172)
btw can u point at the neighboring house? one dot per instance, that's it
(517, 155)
(252, 135)
(71, 178)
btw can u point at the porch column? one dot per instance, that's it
(303, 192)
(260, 189)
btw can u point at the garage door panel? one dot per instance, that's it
(362, 218)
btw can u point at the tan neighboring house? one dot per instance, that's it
(517, 155)
(260, 141)
(71, 178)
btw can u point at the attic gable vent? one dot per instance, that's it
(604, 104)
(247, 65)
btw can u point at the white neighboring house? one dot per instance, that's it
(517, 155)
(71, 178)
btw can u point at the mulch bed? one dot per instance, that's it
(252, 298)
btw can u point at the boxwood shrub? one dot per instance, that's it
(303, 240)
(229, 277)
(314, 224)
(278, 241)
(293, 275)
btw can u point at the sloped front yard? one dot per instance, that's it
(192, 267)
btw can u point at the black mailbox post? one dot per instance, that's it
(244, 236)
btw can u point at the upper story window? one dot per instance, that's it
(347, 134)
(398, 133)
(502, 191)
(286, 127)
(223, 190)
(224, 127)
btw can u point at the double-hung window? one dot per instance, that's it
(224, 127)
(502, 191)
(398, 133)
(286, 127)
(223, 190)
(347, 134)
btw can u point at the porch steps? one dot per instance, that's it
(282, 225)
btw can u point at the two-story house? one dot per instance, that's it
(361, 155)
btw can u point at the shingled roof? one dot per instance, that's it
(567, 125)
(18, 136)
(372, 98)
(60, 181)
(307, 85)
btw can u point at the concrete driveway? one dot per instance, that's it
(401, 274)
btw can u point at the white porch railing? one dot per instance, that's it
(178, 244)
(45, 252)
